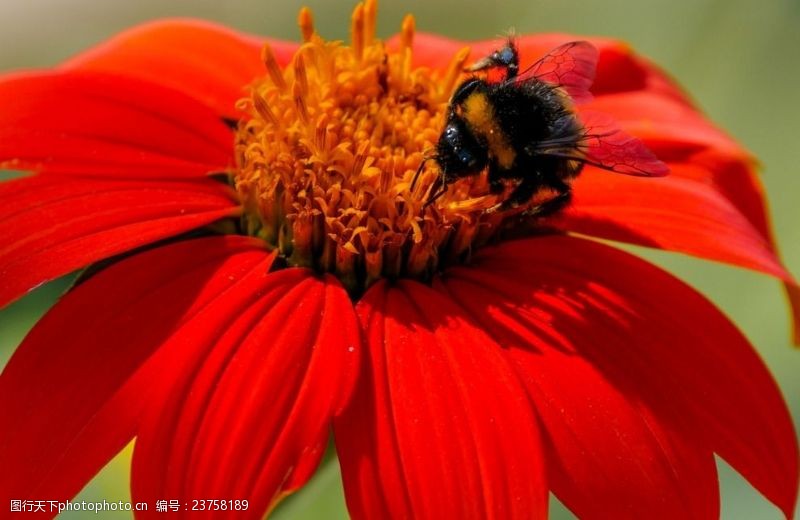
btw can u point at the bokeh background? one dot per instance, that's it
(739, 59)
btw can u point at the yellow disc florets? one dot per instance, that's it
(328, 152)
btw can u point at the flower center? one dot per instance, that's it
(328, 153)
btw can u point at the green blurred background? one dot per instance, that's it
(740, 59)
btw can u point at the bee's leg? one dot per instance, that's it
(419, 170)
(521, 194)
(438, 188)
(554, 205)
(496, 186)
(495, 176)
(506, 58)
(551, 206)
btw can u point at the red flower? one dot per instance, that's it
(551, 362)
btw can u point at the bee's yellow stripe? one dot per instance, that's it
(479, 114)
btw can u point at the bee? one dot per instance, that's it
(527, 128)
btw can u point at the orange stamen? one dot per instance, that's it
(370, 20)
(407, 32)
(454, 71)
(357, 31)
(306, 22)
(273, 69)
(328, 149)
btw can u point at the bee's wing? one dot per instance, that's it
(570, 66)
(602, 143)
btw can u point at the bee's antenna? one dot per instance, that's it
(440, 188)
(419, 170)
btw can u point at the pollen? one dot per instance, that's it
(327, 151)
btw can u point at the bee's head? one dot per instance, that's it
(458, 152)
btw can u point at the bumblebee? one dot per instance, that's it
(527, 128)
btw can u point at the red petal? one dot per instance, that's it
(208, 62)
(439, 426)
(670, 127)
(71, 395)
(50, 226)
(671, 213)
(722, 175)
(649, 336)
(431, 50)
(793, 293)
(678, 133)
(618, 68)
(609, 454)
(101, 124)
(249, 413)
(676, 213)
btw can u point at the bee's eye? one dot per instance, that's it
(466, 158)
(458, 152)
